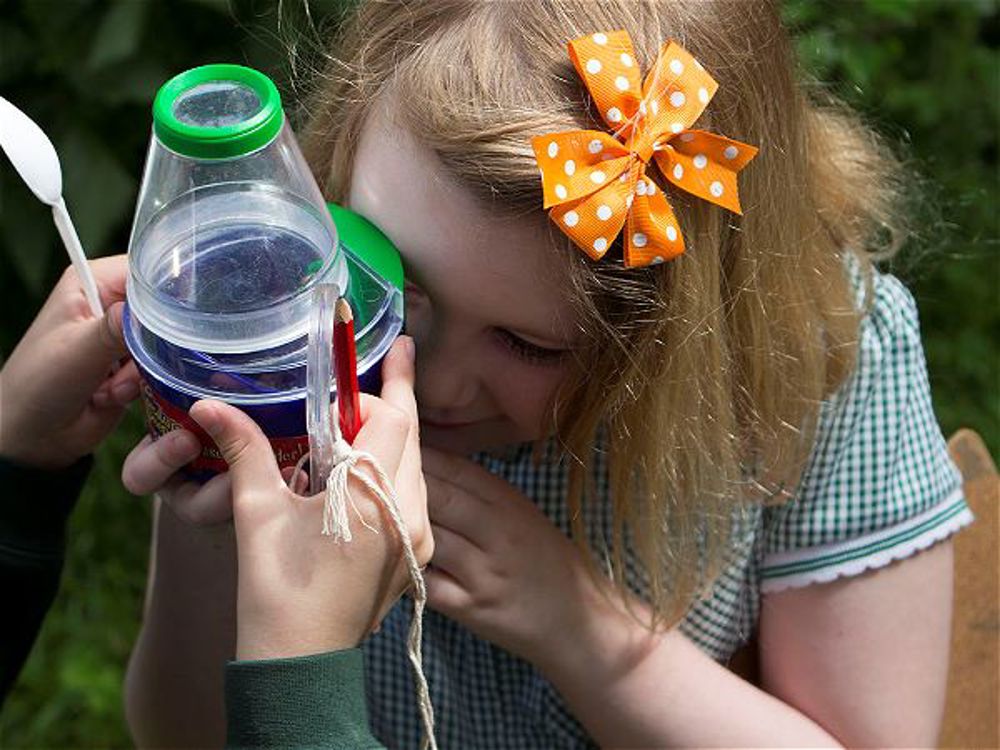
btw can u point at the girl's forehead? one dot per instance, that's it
(500, 270)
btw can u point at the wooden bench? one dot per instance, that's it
(971, 717)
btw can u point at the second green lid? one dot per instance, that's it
(368, 243)
(217, 112)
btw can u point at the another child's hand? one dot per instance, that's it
(153, 466)
(58, 398)
(500, 567)
(299, 592)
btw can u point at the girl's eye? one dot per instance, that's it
(412, 290)
(531, 353)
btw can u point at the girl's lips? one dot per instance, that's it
(444, 425)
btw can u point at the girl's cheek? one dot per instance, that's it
(529, 394)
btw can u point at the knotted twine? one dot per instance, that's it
(347, 462)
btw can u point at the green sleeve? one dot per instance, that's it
(34, 507)
(309, 701)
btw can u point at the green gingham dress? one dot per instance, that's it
(879, 487)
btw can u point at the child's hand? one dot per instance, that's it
(500, 567)
(58, 398)
(152, 466)
(299, 592)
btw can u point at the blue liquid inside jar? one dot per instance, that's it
(242, 268)
(238, 269)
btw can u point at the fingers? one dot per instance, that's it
(242, 444)
(463, 473)
(390, 424)
(152, 463)
(423, 542)
(120, 389)
(296, 479)
(384, 432)
(398, 377)
(397, 389)
(110, 273)
(94, 347)
(445, 594)
(110, 333)
(450, 507)
(124, 384)
(201, 504)
(152, 466)
(455, 555)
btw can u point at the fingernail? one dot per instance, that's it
(409, 348)
(125, 392)
(184, 446)
(203, 412)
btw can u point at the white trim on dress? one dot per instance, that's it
(827, 562)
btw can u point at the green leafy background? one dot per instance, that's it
(923, 72)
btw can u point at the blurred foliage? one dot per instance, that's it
(927, 75)
(923, 72)
(87, 71)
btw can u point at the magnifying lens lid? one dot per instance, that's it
(217, 111)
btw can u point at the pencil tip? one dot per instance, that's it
(342, 311)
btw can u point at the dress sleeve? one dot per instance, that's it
(880, 484)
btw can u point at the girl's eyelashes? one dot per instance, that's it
(531, 353)
(523, 350)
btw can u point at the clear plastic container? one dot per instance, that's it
(231, 236)
(230, 227)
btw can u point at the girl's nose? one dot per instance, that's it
(446, 380)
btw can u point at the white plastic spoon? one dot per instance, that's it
(35, 159)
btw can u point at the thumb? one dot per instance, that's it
(97, 345)
(110, 337)
(252, 465)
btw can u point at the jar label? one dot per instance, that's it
(162, 417)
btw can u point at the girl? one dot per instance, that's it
(739, 440)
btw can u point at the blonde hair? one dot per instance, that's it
(706, 372)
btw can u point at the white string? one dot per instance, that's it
(336, 524)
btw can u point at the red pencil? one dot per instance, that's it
(346, 362)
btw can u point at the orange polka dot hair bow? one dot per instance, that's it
(596, 183)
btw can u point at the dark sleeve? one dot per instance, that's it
(308, 701)
(34, 507)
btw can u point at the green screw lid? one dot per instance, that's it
(217, 112)
(365, 240)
